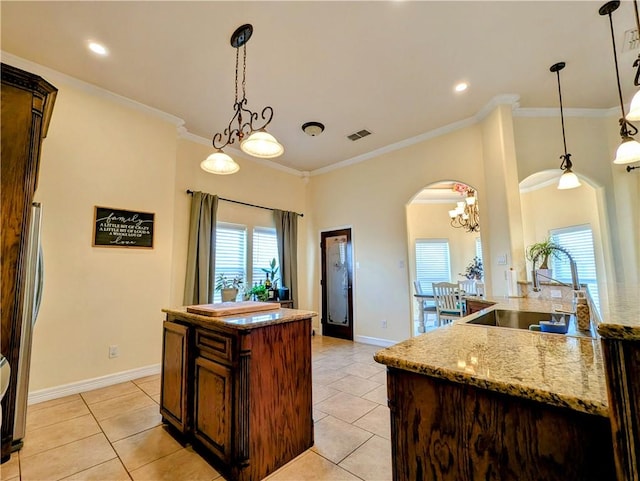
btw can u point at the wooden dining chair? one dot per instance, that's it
(448, 300)
(468, 286)
(427, 306)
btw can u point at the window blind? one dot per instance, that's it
(231, 248)
(265, 248)
(432, 262)
(578, 241)
(479, 250)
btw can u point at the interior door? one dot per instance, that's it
(337, 275)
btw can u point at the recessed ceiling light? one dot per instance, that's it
(461, 87)
(98, 48)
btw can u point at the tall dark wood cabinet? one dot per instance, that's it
(27, 103)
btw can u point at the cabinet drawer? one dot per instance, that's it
(215, 345)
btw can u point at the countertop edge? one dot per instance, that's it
(511, 389)
(287, 315)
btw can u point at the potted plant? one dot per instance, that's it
(259, 292)
(272, 271)
(474, 270)
(228, 287)
(543, 250)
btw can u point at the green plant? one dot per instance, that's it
(259, 291)
(272, 271)
(474, 270)
(223, 282)
(544, 250)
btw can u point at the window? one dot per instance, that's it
(231, 252)
(479, 252)
(238, 256)
(578, 241)
(265, 248)
(432, 262)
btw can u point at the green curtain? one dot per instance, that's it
(287, 236)
(201, 256)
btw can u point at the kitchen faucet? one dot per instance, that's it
(574, 271)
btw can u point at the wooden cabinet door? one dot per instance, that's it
(175, 362)
(212, 407)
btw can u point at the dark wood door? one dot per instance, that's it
(175, 361)
(212, 407)
(337, 282)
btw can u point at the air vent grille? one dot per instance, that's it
(358, 135)
(631, 40)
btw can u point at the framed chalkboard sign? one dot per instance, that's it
(122, 228)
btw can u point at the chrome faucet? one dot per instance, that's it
(574, 272)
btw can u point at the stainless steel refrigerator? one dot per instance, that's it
(34, 279)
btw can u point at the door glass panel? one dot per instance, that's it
(337, 280)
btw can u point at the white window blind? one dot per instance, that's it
(578, 241)
(265, 248)
(432, 262)
(231, 253)
(479, 250)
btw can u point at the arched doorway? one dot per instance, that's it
(439, 248)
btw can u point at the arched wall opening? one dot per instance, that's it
(428, 219)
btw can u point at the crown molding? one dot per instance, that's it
(510, 99)
(59, 77)
(573, 112)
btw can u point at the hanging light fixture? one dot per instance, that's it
(629, 150)
(634, 110)
(568, 180)
(254, 139)
(466, 214)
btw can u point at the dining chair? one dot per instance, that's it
(468, 286)
(427, 305)
(449, 304)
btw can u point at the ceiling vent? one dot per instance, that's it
(631, 40)
(358, 135)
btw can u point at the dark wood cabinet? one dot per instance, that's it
(247, 391)
(212, 407)
(175, 362)
(27, 104)
(475, 305)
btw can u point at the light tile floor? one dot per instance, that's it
(116, 433)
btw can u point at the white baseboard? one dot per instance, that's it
(375, 341)
(47, 394)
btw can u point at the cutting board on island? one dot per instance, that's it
(220, 309)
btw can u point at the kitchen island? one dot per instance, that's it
(239, 387)
(474, 402)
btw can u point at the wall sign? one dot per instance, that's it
(122, 228)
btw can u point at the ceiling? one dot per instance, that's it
(388, 67)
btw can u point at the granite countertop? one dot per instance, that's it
(560, 370)
(249, 320)
(620, 317)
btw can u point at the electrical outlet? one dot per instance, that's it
(383, 323)
(556, 293)
(114, 351)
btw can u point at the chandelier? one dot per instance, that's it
(629, 149)
(466, 214)
(245, 126)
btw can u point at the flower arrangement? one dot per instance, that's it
(223, 282)
(474, 270)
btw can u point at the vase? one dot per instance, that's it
(229, 294)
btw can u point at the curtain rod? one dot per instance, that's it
(190, 192)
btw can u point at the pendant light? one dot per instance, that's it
(254, 140)
(629, 150)
(568, 180)
(634, 110)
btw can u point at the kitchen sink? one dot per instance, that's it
(512, 319)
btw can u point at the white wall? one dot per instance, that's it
(371, 197)
(99, 152)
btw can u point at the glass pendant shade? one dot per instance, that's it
(568, 180)
(219, 163)
(262, 144)
(634, 110)
(628, 152)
